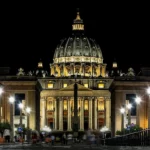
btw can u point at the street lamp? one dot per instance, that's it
(122, 111)
(1, 91)
(148, 92)
(46, 129)
(21, 107)
(138, 101)
(11, 100)
(28, 110)
(104, 130)
(129, 106)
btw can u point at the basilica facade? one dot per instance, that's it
(78, 89)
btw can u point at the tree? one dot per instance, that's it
(3, 126)
(129, 129)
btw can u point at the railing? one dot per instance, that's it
(141, 138)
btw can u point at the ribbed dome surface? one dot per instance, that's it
(78, 45)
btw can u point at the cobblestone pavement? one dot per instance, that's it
(19, 146)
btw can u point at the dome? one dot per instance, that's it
(78, 55)
(78, 48)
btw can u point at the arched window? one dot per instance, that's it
(100, 104)
(86, 105)
(50, 105)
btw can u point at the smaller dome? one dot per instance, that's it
(40, 64)
(40, 72)
(114, 64)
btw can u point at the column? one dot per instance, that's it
(122, 121)
(149, 112)
(90, 113)
(92, 69)
(71, 68)
(64, 70)
(82, 115)
(45, 111)
(61, 114)
(108, 113)
(137, 114)
(95, 113)
(55, 105)
(83, 66)
(100, 69)
(42, 113)
(69, 116)
(74, 69)
(80, 71)
(12, 120)
(104, 111)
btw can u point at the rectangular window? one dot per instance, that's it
(86, 105)
(50, 85)
(50, 105)
(101, 85)
(131, 99)
(19, 98)
(86, 85)
(65, 85)
(100, 105)
(65, 104)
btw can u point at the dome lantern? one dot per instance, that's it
(78, 22)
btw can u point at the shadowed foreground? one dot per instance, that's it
(73, 147)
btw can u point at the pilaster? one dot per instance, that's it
(55, 114)
(90, 113)
(95, 113)
(61, 114)
(108, 113)
(82, 115)
(69, 115)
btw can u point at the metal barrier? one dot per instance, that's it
(141, 138)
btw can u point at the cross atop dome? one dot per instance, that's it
(78, 22)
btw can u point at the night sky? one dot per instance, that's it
(31, 32)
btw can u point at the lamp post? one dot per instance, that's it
(148, 92)
(28, 110)
(129, 106)
(122, 111)
(1, 91)
(11, 100)
(75, 119)
(138, 101)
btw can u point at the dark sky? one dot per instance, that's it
(31, 32)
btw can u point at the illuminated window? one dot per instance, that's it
(86, 85)
(65, 85)
(50, 85)
(101, 85)
(100, 104)
(86, 105)
(50, 105)
(40, 65)
(65, 104)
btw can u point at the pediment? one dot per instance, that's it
(71, 88)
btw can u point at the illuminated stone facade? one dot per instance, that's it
(77, 59)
